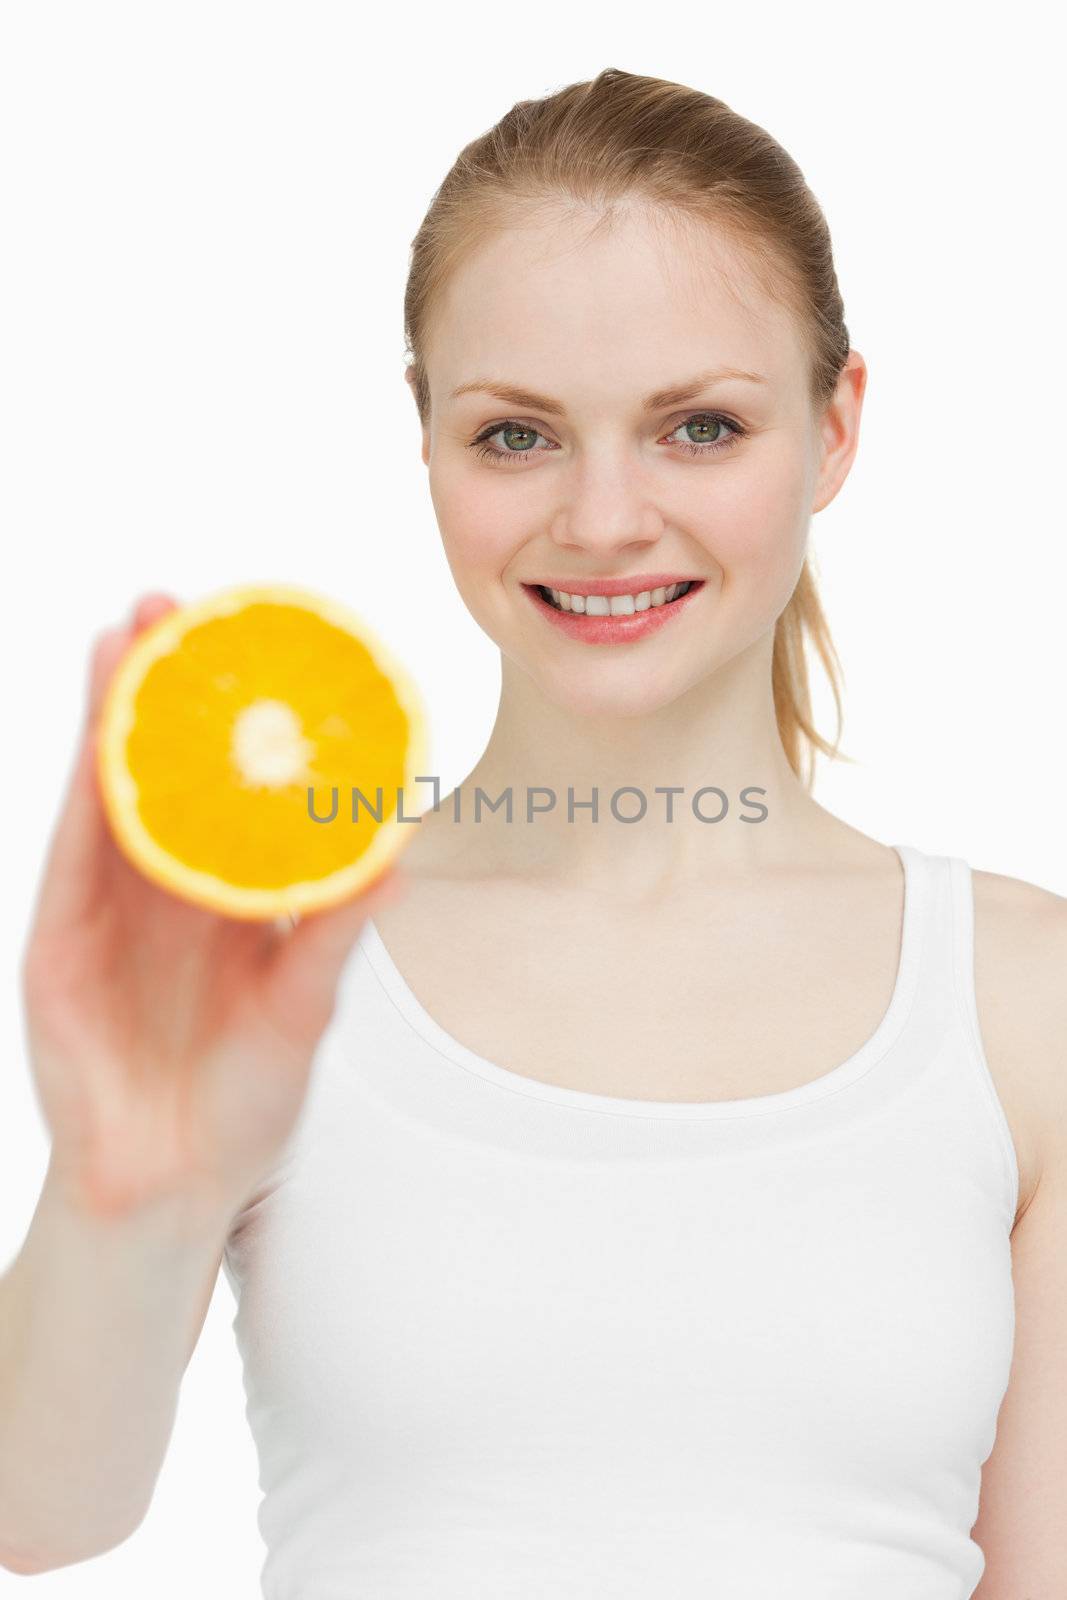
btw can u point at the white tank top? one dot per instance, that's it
(503, 1340)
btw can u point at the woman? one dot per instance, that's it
(648, 1224)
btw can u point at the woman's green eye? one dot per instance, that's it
(703, 425)
(511, 434)
(519, 438)
(703, 422)
(519, 442)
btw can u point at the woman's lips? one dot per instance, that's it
(612, 630)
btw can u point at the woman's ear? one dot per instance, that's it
(840, 429)
(409, 377)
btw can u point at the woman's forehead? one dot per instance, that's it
(622, 301)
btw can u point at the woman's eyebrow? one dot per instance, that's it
(677, 395)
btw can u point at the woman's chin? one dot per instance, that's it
(612, 695)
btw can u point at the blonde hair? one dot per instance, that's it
(619, 137)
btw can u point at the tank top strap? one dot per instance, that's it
(961, 905)
(927, 941)
(961, 899)
(945, 1010)
(944, 941)
(946, 983)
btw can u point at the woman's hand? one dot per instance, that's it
(171, 1046)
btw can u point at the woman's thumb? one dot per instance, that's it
(307, 962)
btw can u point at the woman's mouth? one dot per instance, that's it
(608, 619)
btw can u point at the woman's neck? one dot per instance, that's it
(706, 776)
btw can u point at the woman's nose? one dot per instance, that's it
(605, 507)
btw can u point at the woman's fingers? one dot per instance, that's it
(300, 982)
(70, 876)
(106, 652)
(150, 607)
(111, 645)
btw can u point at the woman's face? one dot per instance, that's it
(590, 470)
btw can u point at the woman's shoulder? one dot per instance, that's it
(1020, 977)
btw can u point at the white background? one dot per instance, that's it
(207, 210)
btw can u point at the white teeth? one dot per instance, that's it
(617, 605)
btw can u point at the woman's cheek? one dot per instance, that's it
(478, 550)
(477, 546)
(758, 519)
(476, 522)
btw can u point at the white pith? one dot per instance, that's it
(268, 746)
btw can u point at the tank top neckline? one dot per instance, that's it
(875, 1047)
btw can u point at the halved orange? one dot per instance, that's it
(258, 750)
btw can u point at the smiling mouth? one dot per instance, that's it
(622, 605)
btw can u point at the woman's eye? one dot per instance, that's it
(519, 441)
(724, 433)
(519, 438)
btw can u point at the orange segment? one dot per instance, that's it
(232, 736)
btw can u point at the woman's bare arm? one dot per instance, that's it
(171, 1049)
(1021, 936)
(98, 1319)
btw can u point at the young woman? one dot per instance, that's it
(676, 1204)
